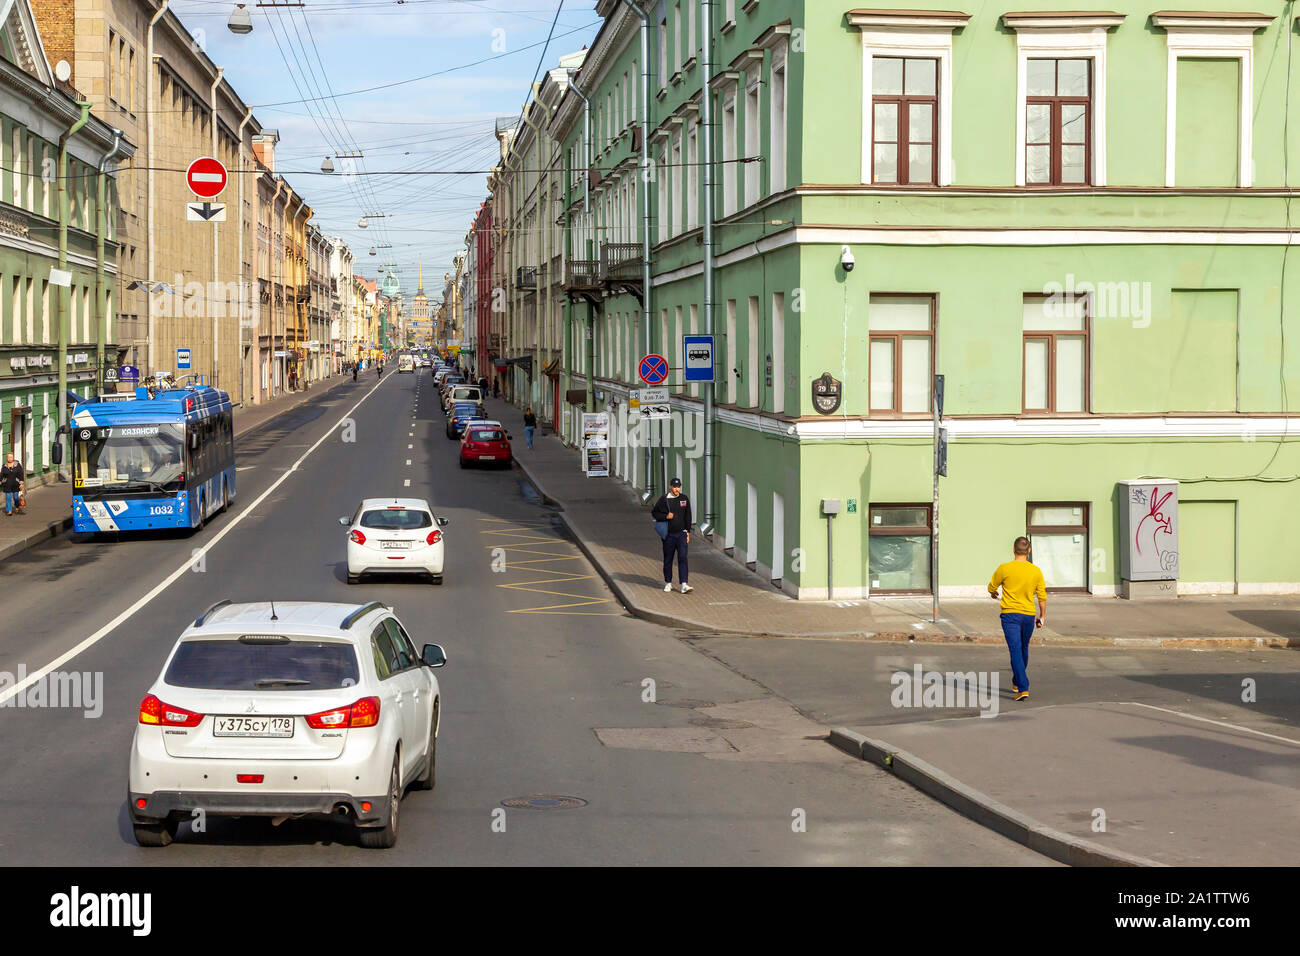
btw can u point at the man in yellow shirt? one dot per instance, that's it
(1021, 582)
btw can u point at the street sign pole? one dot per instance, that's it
(934, 508)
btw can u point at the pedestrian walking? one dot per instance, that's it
(530, 426)
(496, 387)
(674, 508)
(354, 371)
(1021, 581)
(12, 483)
(482, 385)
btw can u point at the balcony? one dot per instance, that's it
(620, 262)
(526, 277)
(582, 275)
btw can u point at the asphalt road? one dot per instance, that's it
(544, 692)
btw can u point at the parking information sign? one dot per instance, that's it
(698, 350)
(654, 403)
(182, 358)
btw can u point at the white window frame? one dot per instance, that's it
(1212, 38)
(753, 186)
(926, 36)
(730, 105)
(777, 144)
(1048, 36)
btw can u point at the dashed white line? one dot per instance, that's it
(406, 483)
(408, 462)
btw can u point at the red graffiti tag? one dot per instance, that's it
(1163, 524)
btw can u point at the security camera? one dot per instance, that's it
(846, 259)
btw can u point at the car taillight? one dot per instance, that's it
(250, 777)
(356, 536)
(434, 537)
(154, 711)
(363, 713)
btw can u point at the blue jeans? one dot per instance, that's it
(11, 501)
(1018, 629)
(675, 545)
(528, 434)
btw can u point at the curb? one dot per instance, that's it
(980, 807)
(53, 529)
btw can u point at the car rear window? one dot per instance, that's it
(235, 665)
(486, 434)
(396, 519)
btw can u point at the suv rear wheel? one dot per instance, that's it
(155, 834)
(385, 837)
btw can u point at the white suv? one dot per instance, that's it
(284, 710)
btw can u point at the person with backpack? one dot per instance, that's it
(674, 511)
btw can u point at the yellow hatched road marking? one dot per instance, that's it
(517, 534)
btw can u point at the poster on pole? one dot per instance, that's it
(595, 444)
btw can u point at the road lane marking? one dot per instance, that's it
(406, 483)
(409, 447)
(1216, 723)
(408, 463)
(185, 567)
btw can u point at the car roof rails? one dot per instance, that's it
(361, 612)
(202, 618)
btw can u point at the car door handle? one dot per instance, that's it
(398, 697)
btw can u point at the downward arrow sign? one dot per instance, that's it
(206, 211)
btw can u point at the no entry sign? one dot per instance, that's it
(206, 177)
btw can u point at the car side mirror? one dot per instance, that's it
(56, 453)
(345, 521)
(442, 522)
(433, 656)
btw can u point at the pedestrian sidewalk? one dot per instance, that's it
(614, 529)
(49, 507)
(1105, 783)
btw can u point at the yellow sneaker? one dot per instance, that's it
(1022, 695)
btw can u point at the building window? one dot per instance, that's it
(751, 361)
(898, 548)
(675, 224)
(752, 141)
(1055, 354)
(778, 352)
(904, 120)
(1058, 122)
(1058, 535)
(729, 153)
(692, 178)
(731, 351)
(663, 52)
(901, 354)
(776, 166)
(664, 187)
(677, 37)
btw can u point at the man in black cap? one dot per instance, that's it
(675, 509)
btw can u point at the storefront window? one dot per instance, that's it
(898, 548)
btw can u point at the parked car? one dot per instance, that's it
(395, 536)
(287, 709)
(485, 442)
(459, 414)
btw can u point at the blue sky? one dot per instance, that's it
(333, 48)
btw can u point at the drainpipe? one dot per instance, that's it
(706, 169)
(101, 225)
(243, 290)
(65, 291)
(586, 205)
(645, 192)
(216, 240)
(153, 156)
(542, 245)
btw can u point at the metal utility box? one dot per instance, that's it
(1148, 530)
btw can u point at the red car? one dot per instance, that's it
(485, 442)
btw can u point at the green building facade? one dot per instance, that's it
(1080, 219)
(34, 113)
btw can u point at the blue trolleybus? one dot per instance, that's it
(163, 459)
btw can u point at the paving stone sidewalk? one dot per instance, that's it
(614, 529)
(49, 507)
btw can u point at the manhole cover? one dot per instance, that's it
(544, 801)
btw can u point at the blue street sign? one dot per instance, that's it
(182, 358)
(653, 369)
(698, 351)
(128, 373)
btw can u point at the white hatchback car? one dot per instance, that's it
(287, 710)
(394, 536)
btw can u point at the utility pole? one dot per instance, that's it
(706, 170)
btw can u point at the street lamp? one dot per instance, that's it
(361, 223)
(240, 22)
(327, 166)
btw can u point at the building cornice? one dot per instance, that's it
(1226, 22)
(909, 19)
(1063, 20)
